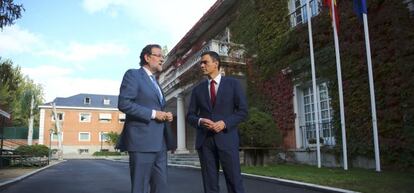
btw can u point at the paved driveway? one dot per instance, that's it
(104, 176)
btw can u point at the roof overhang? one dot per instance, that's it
(78, 108)
(4, 114)
(209, 19)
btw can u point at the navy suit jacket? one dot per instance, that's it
(137, 98)
(231, 107)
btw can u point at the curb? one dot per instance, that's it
(282, 181)
(9, 182)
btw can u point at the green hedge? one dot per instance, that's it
(259, 130)
(106, 153)
(33, 150)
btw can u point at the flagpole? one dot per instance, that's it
(315, 101)
(372, 94)
(340, 90)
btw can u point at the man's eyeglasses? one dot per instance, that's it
(158, 55)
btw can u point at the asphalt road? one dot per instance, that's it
(104, 176)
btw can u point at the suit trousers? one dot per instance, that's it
(148, 171)
(210, 158)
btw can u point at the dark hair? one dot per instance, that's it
(147, 50)
(214, 56)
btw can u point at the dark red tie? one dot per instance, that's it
(213, 92)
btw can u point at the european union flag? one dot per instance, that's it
(360, 7)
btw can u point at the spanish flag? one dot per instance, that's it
(328, 3)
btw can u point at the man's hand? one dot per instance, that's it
(169, 116)
(206, 123)
(214, 126)
(162, 116)
(218, 126)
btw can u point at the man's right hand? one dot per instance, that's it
(162, 116)
(207, 123)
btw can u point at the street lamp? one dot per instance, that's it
(101, 140)
(50, 145)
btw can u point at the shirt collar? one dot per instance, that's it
(147, 71)
(217, 79)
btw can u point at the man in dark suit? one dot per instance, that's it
(217, 106)
(146, 134)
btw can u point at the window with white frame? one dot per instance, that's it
(105, 117)
(106, 101)
(298, 11)
(85, 117)
(84, 136)
(87, 101)
(103, 136)
(121, 118)
(60, 116)
(55, 136)
(324, 114)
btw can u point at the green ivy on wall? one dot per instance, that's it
(279, 59)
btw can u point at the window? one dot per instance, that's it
(85, 117)
(410, 6)
(121, 118)
(103, 136)
(84, 136)
(307, 115)
(60, 116)
(55, 136)
(83, 151)
(87, 101)
(298, 11)
(105, 117)
(107, 101)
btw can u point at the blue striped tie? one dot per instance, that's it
(154, 82)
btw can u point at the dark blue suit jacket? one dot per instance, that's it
(137, 98)
(231, 107)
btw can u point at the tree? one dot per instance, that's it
(165, 50)
(112, 138)
(16, 92)
(9, 12)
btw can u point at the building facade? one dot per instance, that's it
(84, 119)
(181, 70)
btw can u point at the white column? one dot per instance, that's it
(181, 147)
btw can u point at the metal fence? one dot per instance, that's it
(326, 134)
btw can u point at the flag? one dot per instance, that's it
(328, 3)
(360, 7)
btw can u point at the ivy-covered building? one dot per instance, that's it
(275, 35)
(275, 62)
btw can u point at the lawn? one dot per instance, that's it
(360, 180)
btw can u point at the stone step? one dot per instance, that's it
(191, 163)
(184, 159)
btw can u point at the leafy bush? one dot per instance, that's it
(106, 153)
(259, 130)
(33, 150)
(113, 138)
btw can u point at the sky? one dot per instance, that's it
(85, 46)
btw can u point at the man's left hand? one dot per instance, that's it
(218, 126)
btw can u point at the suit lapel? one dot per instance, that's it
(206, 94)
(220, 90)
(148, 80)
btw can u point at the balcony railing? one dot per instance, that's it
(222, 48)
(326, 133)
